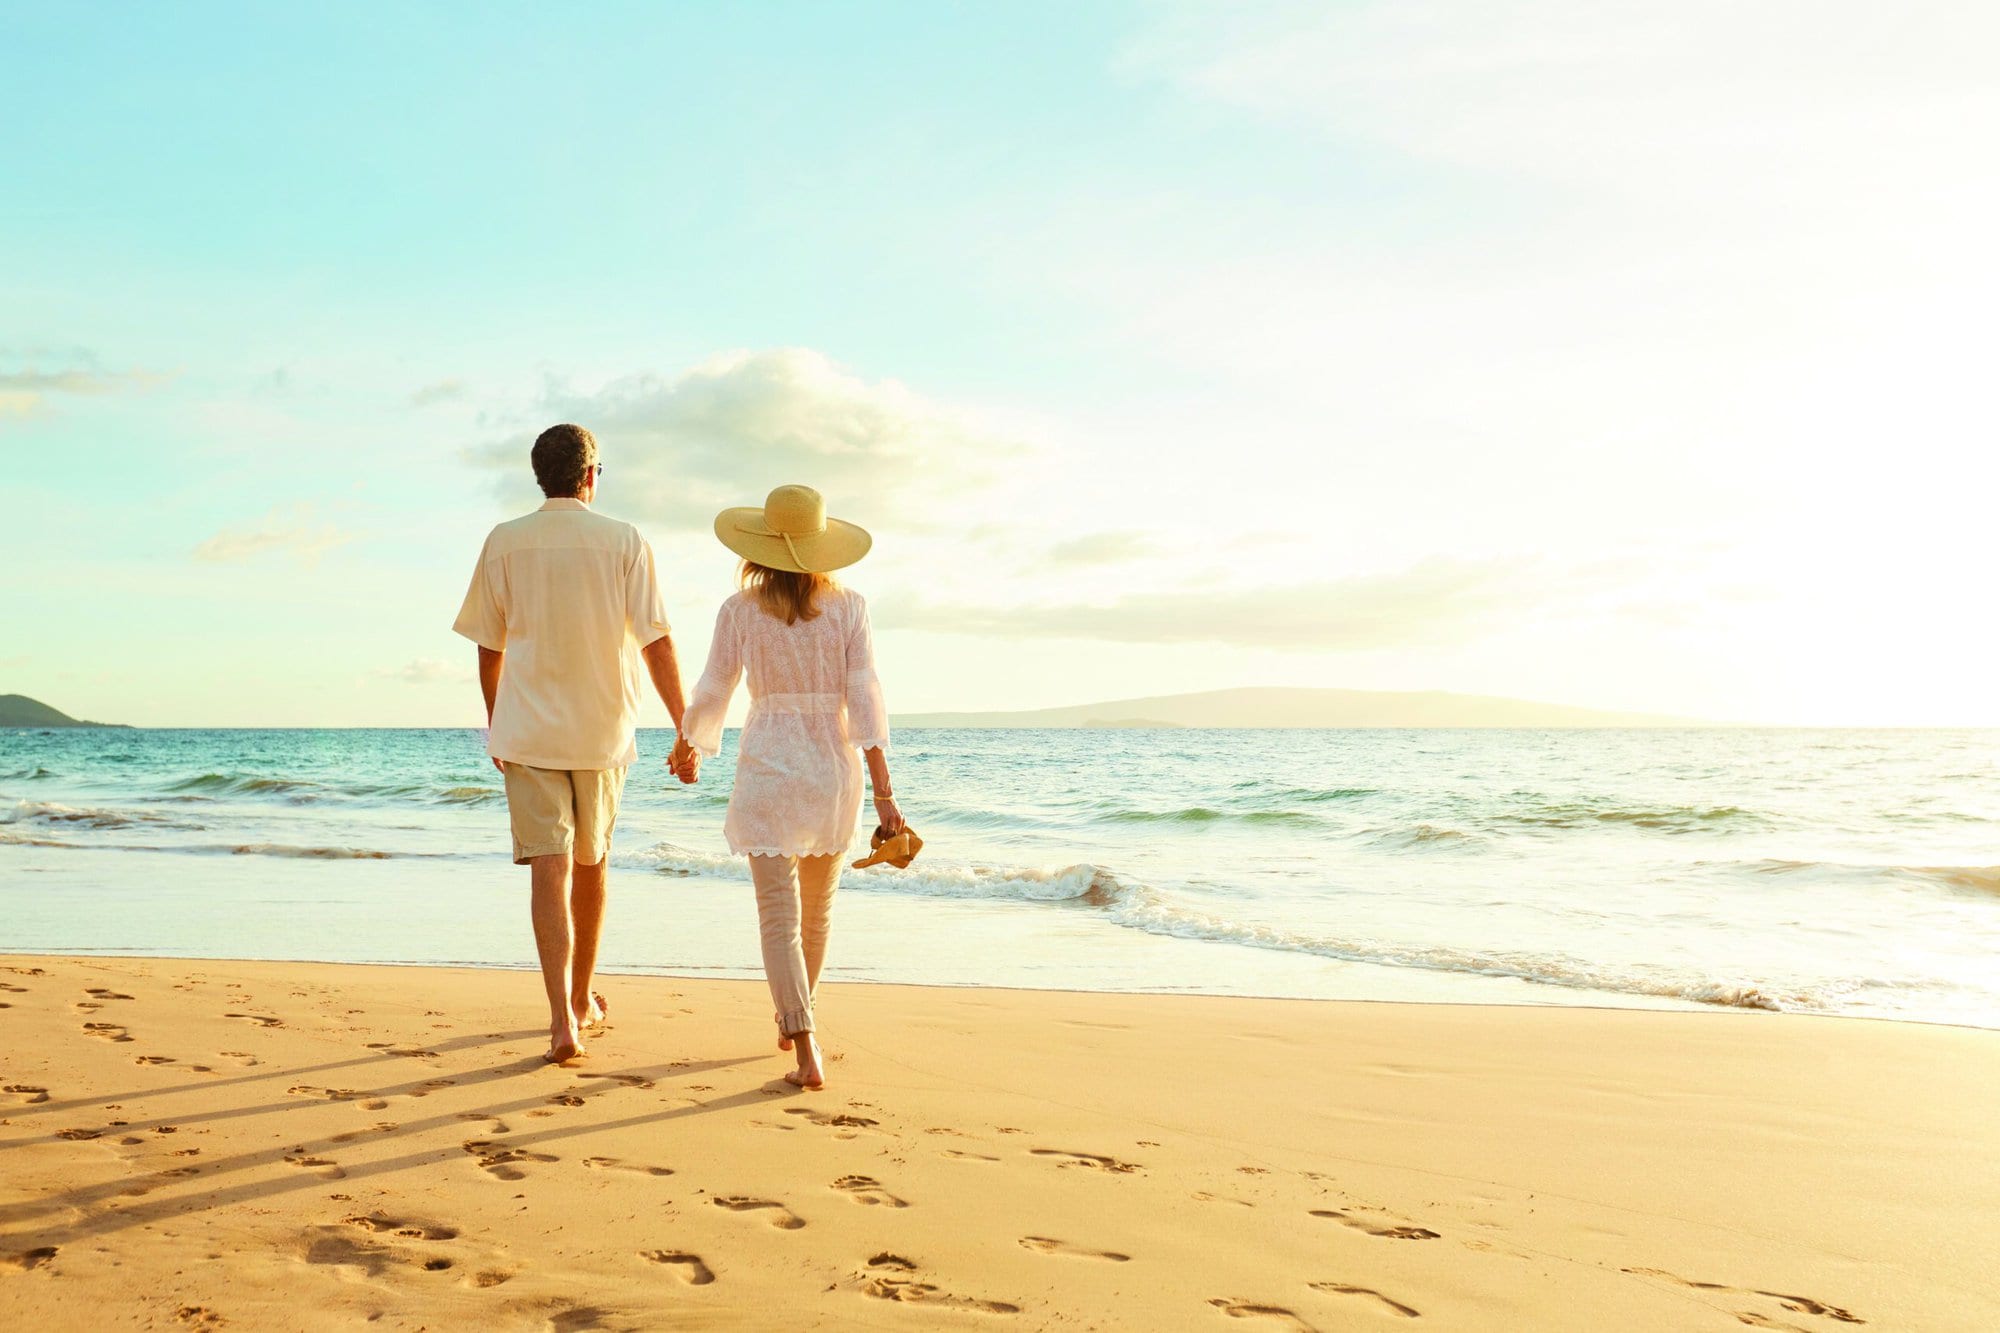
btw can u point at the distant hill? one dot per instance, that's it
(18, 710)
(1277, 707)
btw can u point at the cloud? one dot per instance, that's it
(728, 430)
(281, 532)
(1103, 548)
(441, 392)
(24, 390)
(1436, 600)
(428, 671)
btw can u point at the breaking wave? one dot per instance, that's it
(73, 816)
(1141, 907)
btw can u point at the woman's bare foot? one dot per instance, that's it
(565, 1044)
(808, 1074)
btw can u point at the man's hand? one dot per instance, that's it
(685, 761)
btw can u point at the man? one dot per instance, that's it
(564, 607)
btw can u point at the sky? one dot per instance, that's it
(1609, 353)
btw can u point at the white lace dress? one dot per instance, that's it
(815, 704)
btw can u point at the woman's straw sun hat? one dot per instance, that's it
(792, 532)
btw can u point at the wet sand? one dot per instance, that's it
(302, 1146)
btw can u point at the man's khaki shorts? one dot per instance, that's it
(563, 812)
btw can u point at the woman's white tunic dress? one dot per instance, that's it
(815, 703)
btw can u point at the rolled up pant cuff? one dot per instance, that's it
(795, 1020)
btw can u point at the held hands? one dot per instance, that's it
(685, 761)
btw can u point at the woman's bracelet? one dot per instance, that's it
(885, 796)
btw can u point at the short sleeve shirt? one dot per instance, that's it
(570, 596)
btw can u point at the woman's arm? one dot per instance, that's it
(868, 716)
(887, 814)
(701, 724)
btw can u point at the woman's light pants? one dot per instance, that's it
(794, 901)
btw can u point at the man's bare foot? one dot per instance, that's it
(808, 1074)
(784, 1042)
(594, 1011)
(565, 1044)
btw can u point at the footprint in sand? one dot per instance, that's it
(833, 1119)
(891, 1277)
(198, 1316)
(868, 1190)
(80, 1135)
(152, 1059)
(108, 1031)
(498, 1160)
(969, 1156)
(325, 1167)
(410, 1228)
(103, 994)
(11, 988)
(1049, 1245)
(26, 1260)
(1094, 1161)
(687, 1267)
(261, 1020)
(1795, 1304)
(498, 1125)
(565, 1099)
(379, 1127)
(614, 1164)
(629, 1080)
(147, 1184)
(243, 1058)
(327, 1245)
(1250, 1310)
(1397, 1308)
(1383, 1230)
(785, 1219)
(330, 1094)
(1204, 1196)
(25, 1093)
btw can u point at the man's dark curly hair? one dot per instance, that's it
(563, 456)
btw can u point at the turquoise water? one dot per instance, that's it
(1853, 872)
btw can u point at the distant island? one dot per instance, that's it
(1279, 707)
(18, 710)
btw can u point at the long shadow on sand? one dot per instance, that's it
(203, 1194)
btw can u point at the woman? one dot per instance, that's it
(804, 642)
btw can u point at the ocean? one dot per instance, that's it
(1830, 872)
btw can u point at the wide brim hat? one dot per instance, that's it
(792, 532)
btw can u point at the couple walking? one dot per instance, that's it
(565, 607)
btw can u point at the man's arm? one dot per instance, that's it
(489, 685)
(665, 668)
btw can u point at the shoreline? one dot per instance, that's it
(376, 1140)
(738, 973)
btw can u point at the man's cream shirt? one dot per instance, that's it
(571, 597)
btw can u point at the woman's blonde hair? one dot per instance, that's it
(788, 596)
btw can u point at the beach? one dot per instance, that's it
(281, 1145)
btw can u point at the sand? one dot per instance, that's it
(288, 1146)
